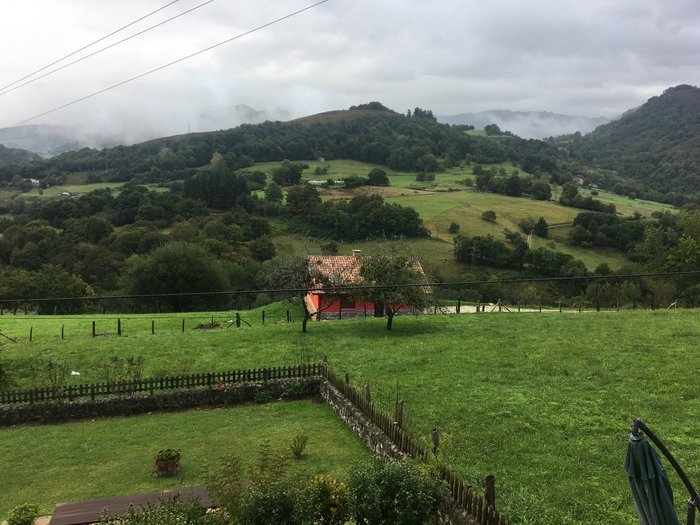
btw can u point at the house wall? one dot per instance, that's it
(360, 309)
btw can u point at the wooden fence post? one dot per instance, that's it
(263, 317)
(490, 490)
(31, 332)
(93, 329)
(368, 394)
(399, 413)
(119, 327)
(435, 436)
(183, 326)
(238, 320)
(153, 327)
(62, 330)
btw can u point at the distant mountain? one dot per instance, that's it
(528, 124)
(657, 144)
(16, 156)
(52, 139)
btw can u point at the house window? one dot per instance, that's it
(347, 303)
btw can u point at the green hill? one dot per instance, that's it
(16, 156)
(657, 145)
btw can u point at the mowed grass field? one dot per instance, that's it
(115, 456)
(542, 401)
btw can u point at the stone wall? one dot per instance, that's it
(373, 438)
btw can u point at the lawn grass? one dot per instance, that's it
(542, 401)
(112, 457)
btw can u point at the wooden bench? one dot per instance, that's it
(90, 511)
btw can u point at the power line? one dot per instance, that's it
(351, 288)
(241, 35)
(88, 45)
(103, 49)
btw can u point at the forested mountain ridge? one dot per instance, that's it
(657, 145)
(412, 142)
(16, 156)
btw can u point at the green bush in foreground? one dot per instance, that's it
(380, 491)
(171, 512)
(23, 514)
(396, 492)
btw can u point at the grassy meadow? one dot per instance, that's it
(542, 401)
(113, 457)
(448, 199)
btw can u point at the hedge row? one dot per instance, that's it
(56, 411)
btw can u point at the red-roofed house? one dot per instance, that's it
(340, 269)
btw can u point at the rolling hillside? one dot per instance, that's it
(16, 156)
(657, 145)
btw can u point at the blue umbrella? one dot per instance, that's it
(651, 489)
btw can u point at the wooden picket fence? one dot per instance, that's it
(464, 495)
(152, 385)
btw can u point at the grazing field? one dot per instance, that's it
(112, 457)
(448, 199)
(627, 206)
(542, 401)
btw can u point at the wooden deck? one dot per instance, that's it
(89, 511)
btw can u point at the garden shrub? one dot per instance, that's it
(171, 512)
(298, 446)
(327, 501)
(397, 492)
(23, 514)
(269, 501)
(263, 396)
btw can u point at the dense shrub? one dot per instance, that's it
(271, 501)
(397, 492)
(171, 512)
(326, 501)
(23, 514)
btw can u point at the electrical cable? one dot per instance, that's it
(182, 59)
(103, 49)
(351, 288)
(88, 45)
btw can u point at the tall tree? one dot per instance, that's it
(393, 281)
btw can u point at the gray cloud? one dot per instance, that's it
(594, 58)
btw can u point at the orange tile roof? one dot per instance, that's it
(341, 268)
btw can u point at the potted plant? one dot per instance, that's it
(167, 463)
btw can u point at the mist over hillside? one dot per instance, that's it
(50, 139)
(528, 124)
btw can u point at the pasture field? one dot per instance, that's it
(627, 206)
(112, 457)
(448, 200)
(542, 401)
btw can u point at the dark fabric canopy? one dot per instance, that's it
(651, 489)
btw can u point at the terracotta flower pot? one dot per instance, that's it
(166, 469)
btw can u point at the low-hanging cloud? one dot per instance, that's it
(582, 58)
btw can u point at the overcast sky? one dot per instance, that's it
(578, 57)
